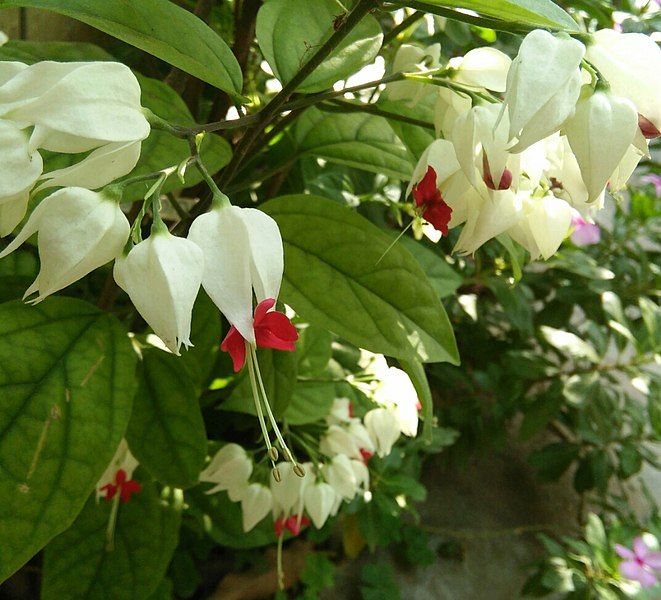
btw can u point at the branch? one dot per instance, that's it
(344, 106)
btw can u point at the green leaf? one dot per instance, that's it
(78, 565)
(290, 31)
(553, 460)
(415, 138)
(310, 402)
(333, 280)
(442, 276)
(595, 534)
(279, 371)
(530, 13)
(166, 431)
(66, 384)
(358, 140)
(569, 343)
(158, 27)
(30, 52)
(313, 350)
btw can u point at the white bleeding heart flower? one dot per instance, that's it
(631, 64)
(340, 475)
(256, 503)
(162, 276)
(543, 85)
(229, 469)
(449, 106)
(243, 254)
(383, 428)
(410, 59)
(77, 231)
(100, 167)
(362, 474)
(123, 460)
(288, 492)
(600, 134)
(338, 440)
(105, 95)
(319, 499)
(397, 391)
(340, 412)
(482, 67)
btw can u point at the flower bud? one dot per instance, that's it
(543, 85)
(162, 276)
(482, 67)
(410, 59)
(631, 64)
(77, 231)
(256, 503)
(341, 477)
(383, 429)
(319, 499)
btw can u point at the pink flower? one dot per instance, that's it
(272, 330)
(639, 564)
(584, 234)
(655, 180)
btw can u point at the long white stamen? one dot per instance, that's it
(287, 452)
(258, 408)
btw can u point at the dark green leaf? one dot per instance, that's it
(553, 460)
(77, 564)
(66, 383)
(310, 402)
(333, 280)
(313, 350)
(166, 431)
(444, 279)
(158, 27)
(290, 31)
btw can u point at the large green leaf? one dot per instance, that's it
(334, 279)
(290, 31)
(78, 565)
(359, 140)
(529, 13)
(160, 149)
(312, 401)
(159, 27)
(442, 276)
(278, 371)
(414, 137)
(166, 431)
(66, 383)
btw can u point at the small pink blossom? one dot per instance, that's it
(639, 563)
(584, 234)
(655, 180)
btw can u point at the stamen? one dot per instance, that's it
(285, 449)
(110, 531)
(281, 572)
(271, 450)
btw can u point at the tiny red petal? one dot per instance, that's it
(279, 526)
(275, 330)
(366, 454)
(236, 346)
(439, 216)
(505, 179)
(110, 490)
(129, 488)
(425, 192)
(262, 309)
(647, 128)
(295, 523)
(120, 477)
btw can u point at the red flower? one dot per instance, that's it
(272, 330)
(293, 524)
(428, 197)
(126, 488)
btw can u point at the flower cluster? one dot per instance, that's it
(340, 457)
(573, 119)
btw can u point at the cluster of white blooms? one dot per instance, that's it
(573, 120)
(341, 471)
(70, 108)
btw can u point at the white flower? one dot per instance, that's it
(482, 67)
(449, 106)
(75, 107)
(397, 391)
(544, 224)
(230, 470)
(242, 252)
(383, 428)
(409, 59)
(256, 503)
(77, 231)
(98, 168)
(340, 475)
(600, 134)
(362, 474)
(162, 276)
(337, 440)
(288, 492)
(340, 411)
(543, 85)
(319, 500)
(124, 460)
(631, 64)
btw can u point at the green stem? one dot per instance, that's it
(403, 26)
(344, 106)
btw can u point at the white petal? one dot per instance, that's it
(256, 503)
(484, 67)
(383, 428)
(18, 168)
(549, 221)
(12, 211)
(319, 501)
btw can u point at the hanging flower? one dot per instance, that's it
(256, 503)
(162, 276)
(272, 329)
(77, 231)
(383, 428)
(121, 485)
(428, 198)
(230, 470)
(482, 67)
(319, 500)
